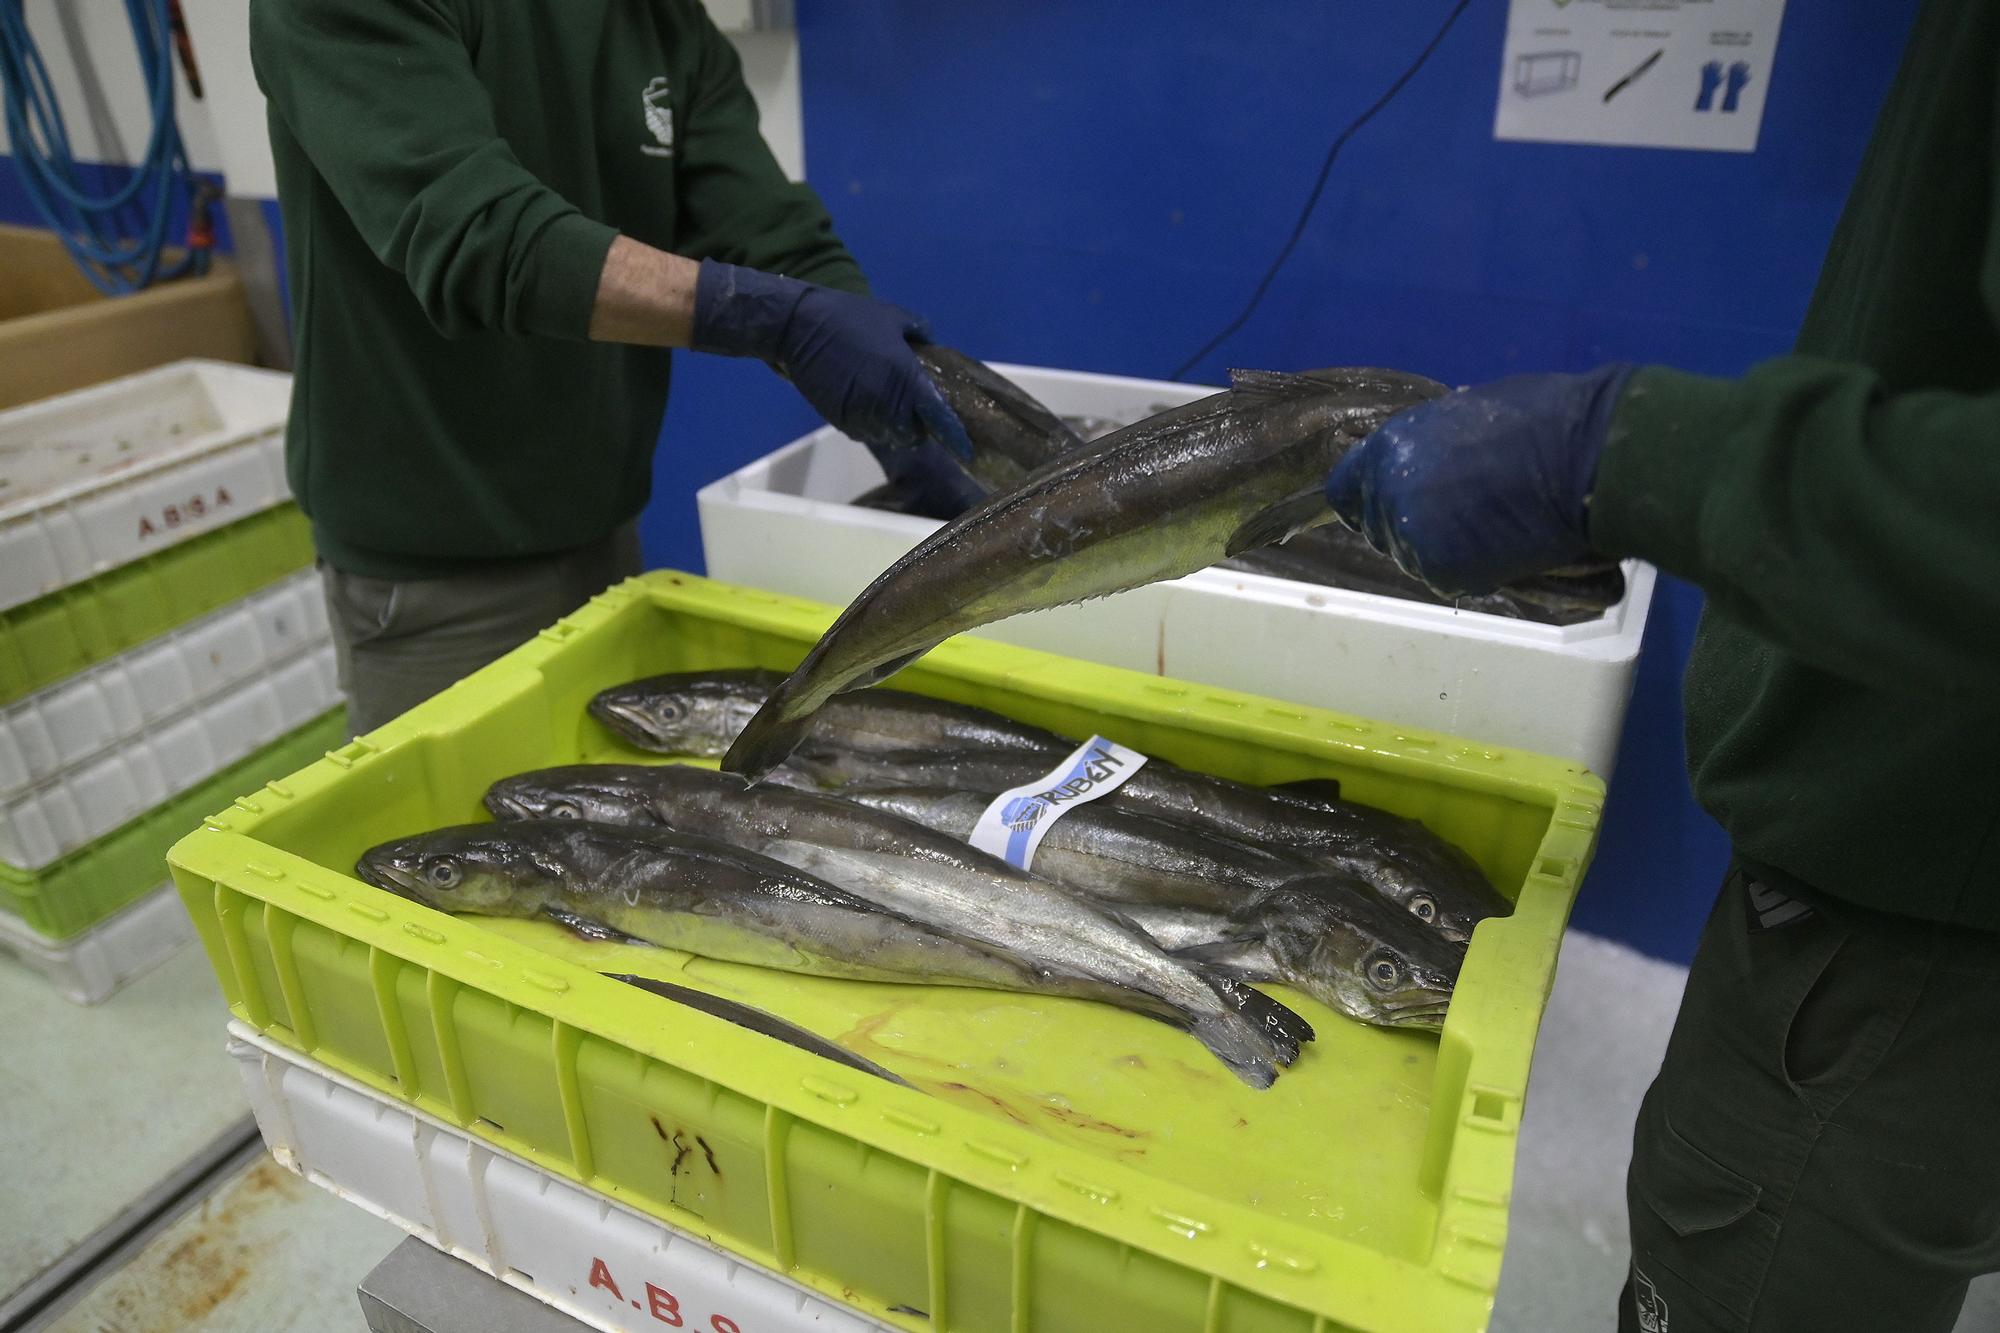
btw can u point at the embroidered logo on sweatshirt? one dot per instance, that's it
(656, 104)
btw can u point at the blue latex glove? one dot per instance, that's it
(850, 356)
(1483, 486)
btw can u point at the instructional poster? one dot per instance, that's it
(1645, 73)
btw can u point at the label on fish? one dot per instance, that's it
(1015, 824)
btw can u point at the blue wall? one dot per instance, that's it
(1098, 186)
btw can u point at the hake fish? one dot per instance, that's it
(1160, 499)
(1399, 858)
(891, 738)
(1352, 952)
(693, 894)
(700, 713)
(924, 876)
(1012, 433)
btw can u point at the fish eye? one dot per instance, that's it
(1425, 908)
(564, 810)
(443, 873)
(1383, 972)
(670, 711)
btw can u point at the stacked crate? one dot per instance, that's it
(163, 648)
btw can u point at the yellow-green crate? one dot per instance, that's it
(52, 637)
(1059, 1165)
(77, 891)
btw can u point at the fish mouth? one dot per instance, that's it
(387, 876)
(1426, 1014)
(627, 719)
(504, 806)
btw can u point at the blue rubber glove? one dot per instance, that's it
(850, 357)
(1483, 486)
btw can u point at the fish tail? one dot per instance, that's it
(1239, 1043)
(1285, 1030)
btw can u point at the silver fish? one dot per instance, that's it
(1399, 858)
(915, 872)
(1339, 557)
(701, 713)
(1165, 497)
(693, 894)
(1352, 952)
(1012, 433)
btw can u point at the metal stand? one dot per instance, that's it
(421, 1290)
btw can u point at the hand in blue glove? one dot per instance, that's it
(1483, 486)
(850, 356)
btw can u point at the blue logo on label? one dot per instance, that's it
(1023, 813)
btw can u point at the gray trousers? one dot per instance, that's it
(399, 641)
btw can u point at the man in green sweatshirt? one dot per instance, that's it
(1821, 1149)
(499, 215)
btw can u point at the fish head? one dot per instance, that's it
(597, 793)
(490, 869)
(693, 712)
(1431, 879)
(1362, 954)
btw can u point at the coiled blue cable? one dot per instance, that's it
(117, 237)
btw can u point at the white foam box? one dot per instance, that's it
(575, 1249)
(91, 966)
(94, 479)
(783, 523)
(50, 817)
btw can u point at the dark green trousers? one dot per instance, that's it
(399, 641)
(1821, 1150)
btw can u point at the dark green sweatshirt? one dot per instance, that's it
(1841, 508)
(452, 173)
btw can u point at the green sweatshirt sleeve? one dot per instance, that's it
(735, 203)
(382, 97)
(1856, 528)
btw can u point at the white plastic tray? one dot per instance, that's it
(93, 479)
(533, 1230)
(58, 815)
(89, 967)
(113, 703)
(784, 523)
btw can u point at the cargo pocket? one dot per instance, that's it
(1705, 1227)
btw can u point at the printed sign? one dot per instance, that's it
(1644, 73)
(1015, 824)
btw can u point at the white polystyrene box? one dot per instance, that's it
(90, 966)
(783, 523)
(49, 818)
(100, 477)
(518, 1222)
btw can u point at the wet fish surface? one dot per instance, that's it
(1012, 434)
(926, 876)
(1157, 500)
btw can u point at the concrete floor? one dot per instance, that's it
(266, 1252)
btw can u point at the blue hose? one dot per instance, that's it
(116, 237)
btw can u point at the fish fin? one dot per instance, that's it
(759, 1021)
(1286, 1030)
(1241, 956)
(1320, 791)
(1274, 383)
(1278, 522)
(1239, 1042)
(589, 928)
(876, 675)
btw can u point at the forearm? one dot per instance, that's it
(644, 296)
(1853, 527)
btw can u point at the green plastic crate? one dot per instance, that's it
(1060, 1165)
(70, 895)
(59, 635)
